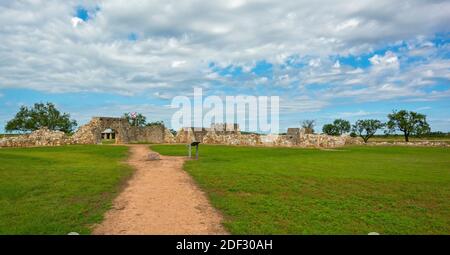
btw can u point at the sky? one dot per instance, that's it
(324, 59)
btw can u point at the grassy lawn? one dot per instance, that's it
(56, 190)
(353, 190)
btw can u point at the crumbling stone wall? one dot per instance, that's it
(308, 140)
(152, 134)
(41, 137)
(295, 137)
(168, 136)
(91, 134)
(216, 132)
(298, 138)
(189, 135)
(232, 139)
(124, 132)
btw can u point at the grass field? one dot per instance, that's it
(353, 190)
(58, 190)
(399, 138)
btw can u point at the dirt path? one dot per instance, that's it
(160, 198)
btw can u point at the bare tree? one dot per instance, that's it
(308, 126)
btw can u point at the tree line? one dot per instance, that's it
(407, 122)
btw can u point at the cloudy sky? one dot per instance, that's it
(325, 59)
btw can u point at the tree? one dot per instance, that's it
(39, 116)
(308, 126)
(342, 126)
(329, 129)
(135, 119)
(338, 127)
(367, 128)
(408, 122)
(155, 123)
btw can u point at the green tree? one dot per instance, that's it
(408, 122)
(330, 129)
(367, 128)
(155, 123)
(308, 126)
(338, 127)
(342, 126)
(136, 119)
(39, 116)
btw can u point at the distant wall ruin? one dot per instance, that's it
(41, 137)
(125, 133)
(91, 134)
(295, 137)
(191, 134)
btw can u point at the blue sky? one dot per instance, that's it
(352, 60)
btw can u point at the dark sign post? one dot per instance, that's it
(196, 149)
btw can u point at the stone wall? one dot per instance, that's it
(41, 137)
(295, 137)
(189, 135)
(232, 139)
(91, 134)
(225, 128)
(124, 132)
(168, 136)
(152, 134)
(309, 140)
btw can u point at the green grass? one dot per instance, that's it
(352, 190)
(400, 138)
(108, 141)
(56, 190)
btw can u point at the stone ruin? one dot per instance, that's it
(193, 134)
(295, 137)
(226, 134)
(91, 133)
(41, 137)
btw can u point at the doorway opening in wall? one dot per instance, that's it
(108, 136)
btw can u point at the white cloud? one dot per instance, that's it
(314, 62)
(337, 64)
(424, 108)
(348, 24)
(360, 113)
(76, 21)
(178, 63)
(389, 60)
(262, 80)
(44, 47)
